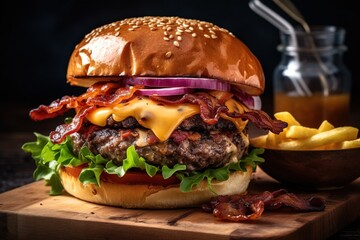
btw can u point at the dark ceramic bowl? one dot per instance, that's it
(313, 169)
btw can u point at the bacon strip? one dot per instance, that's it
(64, 130)
(210, 110)
(56, 108)
(99, 89)
(114, 98)
(261, 120)
(284, 199)
(97, 95)
(240, 207)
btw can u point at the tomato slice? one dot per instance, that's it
(132, 177)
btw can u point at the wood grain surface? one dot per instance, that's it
(29, 212)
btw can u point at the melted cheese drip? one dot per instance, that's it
(162, 119)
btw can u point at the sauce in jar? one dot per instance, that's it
(311, 81)
(311, 111)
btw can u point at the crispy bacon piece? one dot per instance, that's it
(240, 207)
(211, 108)
(99, 89)
(261, 120)
(99, 94)
(179, 136)
(285, 199)
(56, 108)
(64, 130)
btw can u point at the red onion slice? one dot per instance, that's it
(163, 91)
(253, 102)
(204, 83)
(168, 86)
(257, 103)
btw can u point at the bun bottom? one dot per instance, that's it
(153, 196)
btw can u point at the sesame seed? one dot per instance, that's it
(168, 54)
(179, 26)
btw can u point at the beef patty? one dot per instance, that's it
(194, 143)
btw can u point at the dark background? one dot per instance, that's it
(39, 37)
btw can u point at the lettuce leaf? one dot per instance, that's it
(50, 157)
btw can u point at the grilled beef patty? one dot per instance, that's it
(194, 143)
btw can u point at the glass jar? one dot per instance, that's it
(311, 81)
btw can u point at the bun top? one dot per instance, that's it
(163, 47)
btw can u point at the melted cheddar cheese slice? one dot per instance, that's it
(161, 118)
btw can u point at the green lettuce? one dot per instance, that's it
(49, 157)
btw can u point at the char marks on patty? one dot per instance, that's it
(194, 143)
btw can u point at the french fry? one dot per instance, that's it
(258, 141)
(325, 126)
(272, 140)
(335, 135)
(298, 137)
(350, 144)
(300, 132)
(287, 117)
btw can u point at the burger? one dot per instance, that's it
(164, 120)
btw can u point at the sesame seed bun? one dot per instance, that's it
(163, 47)
(153, 196)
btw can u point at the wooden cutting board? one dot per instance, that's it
(29, 212)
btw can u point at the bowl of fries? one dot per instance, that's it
(320, 158)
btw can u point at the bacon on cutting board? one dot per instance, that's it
(240, 207)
